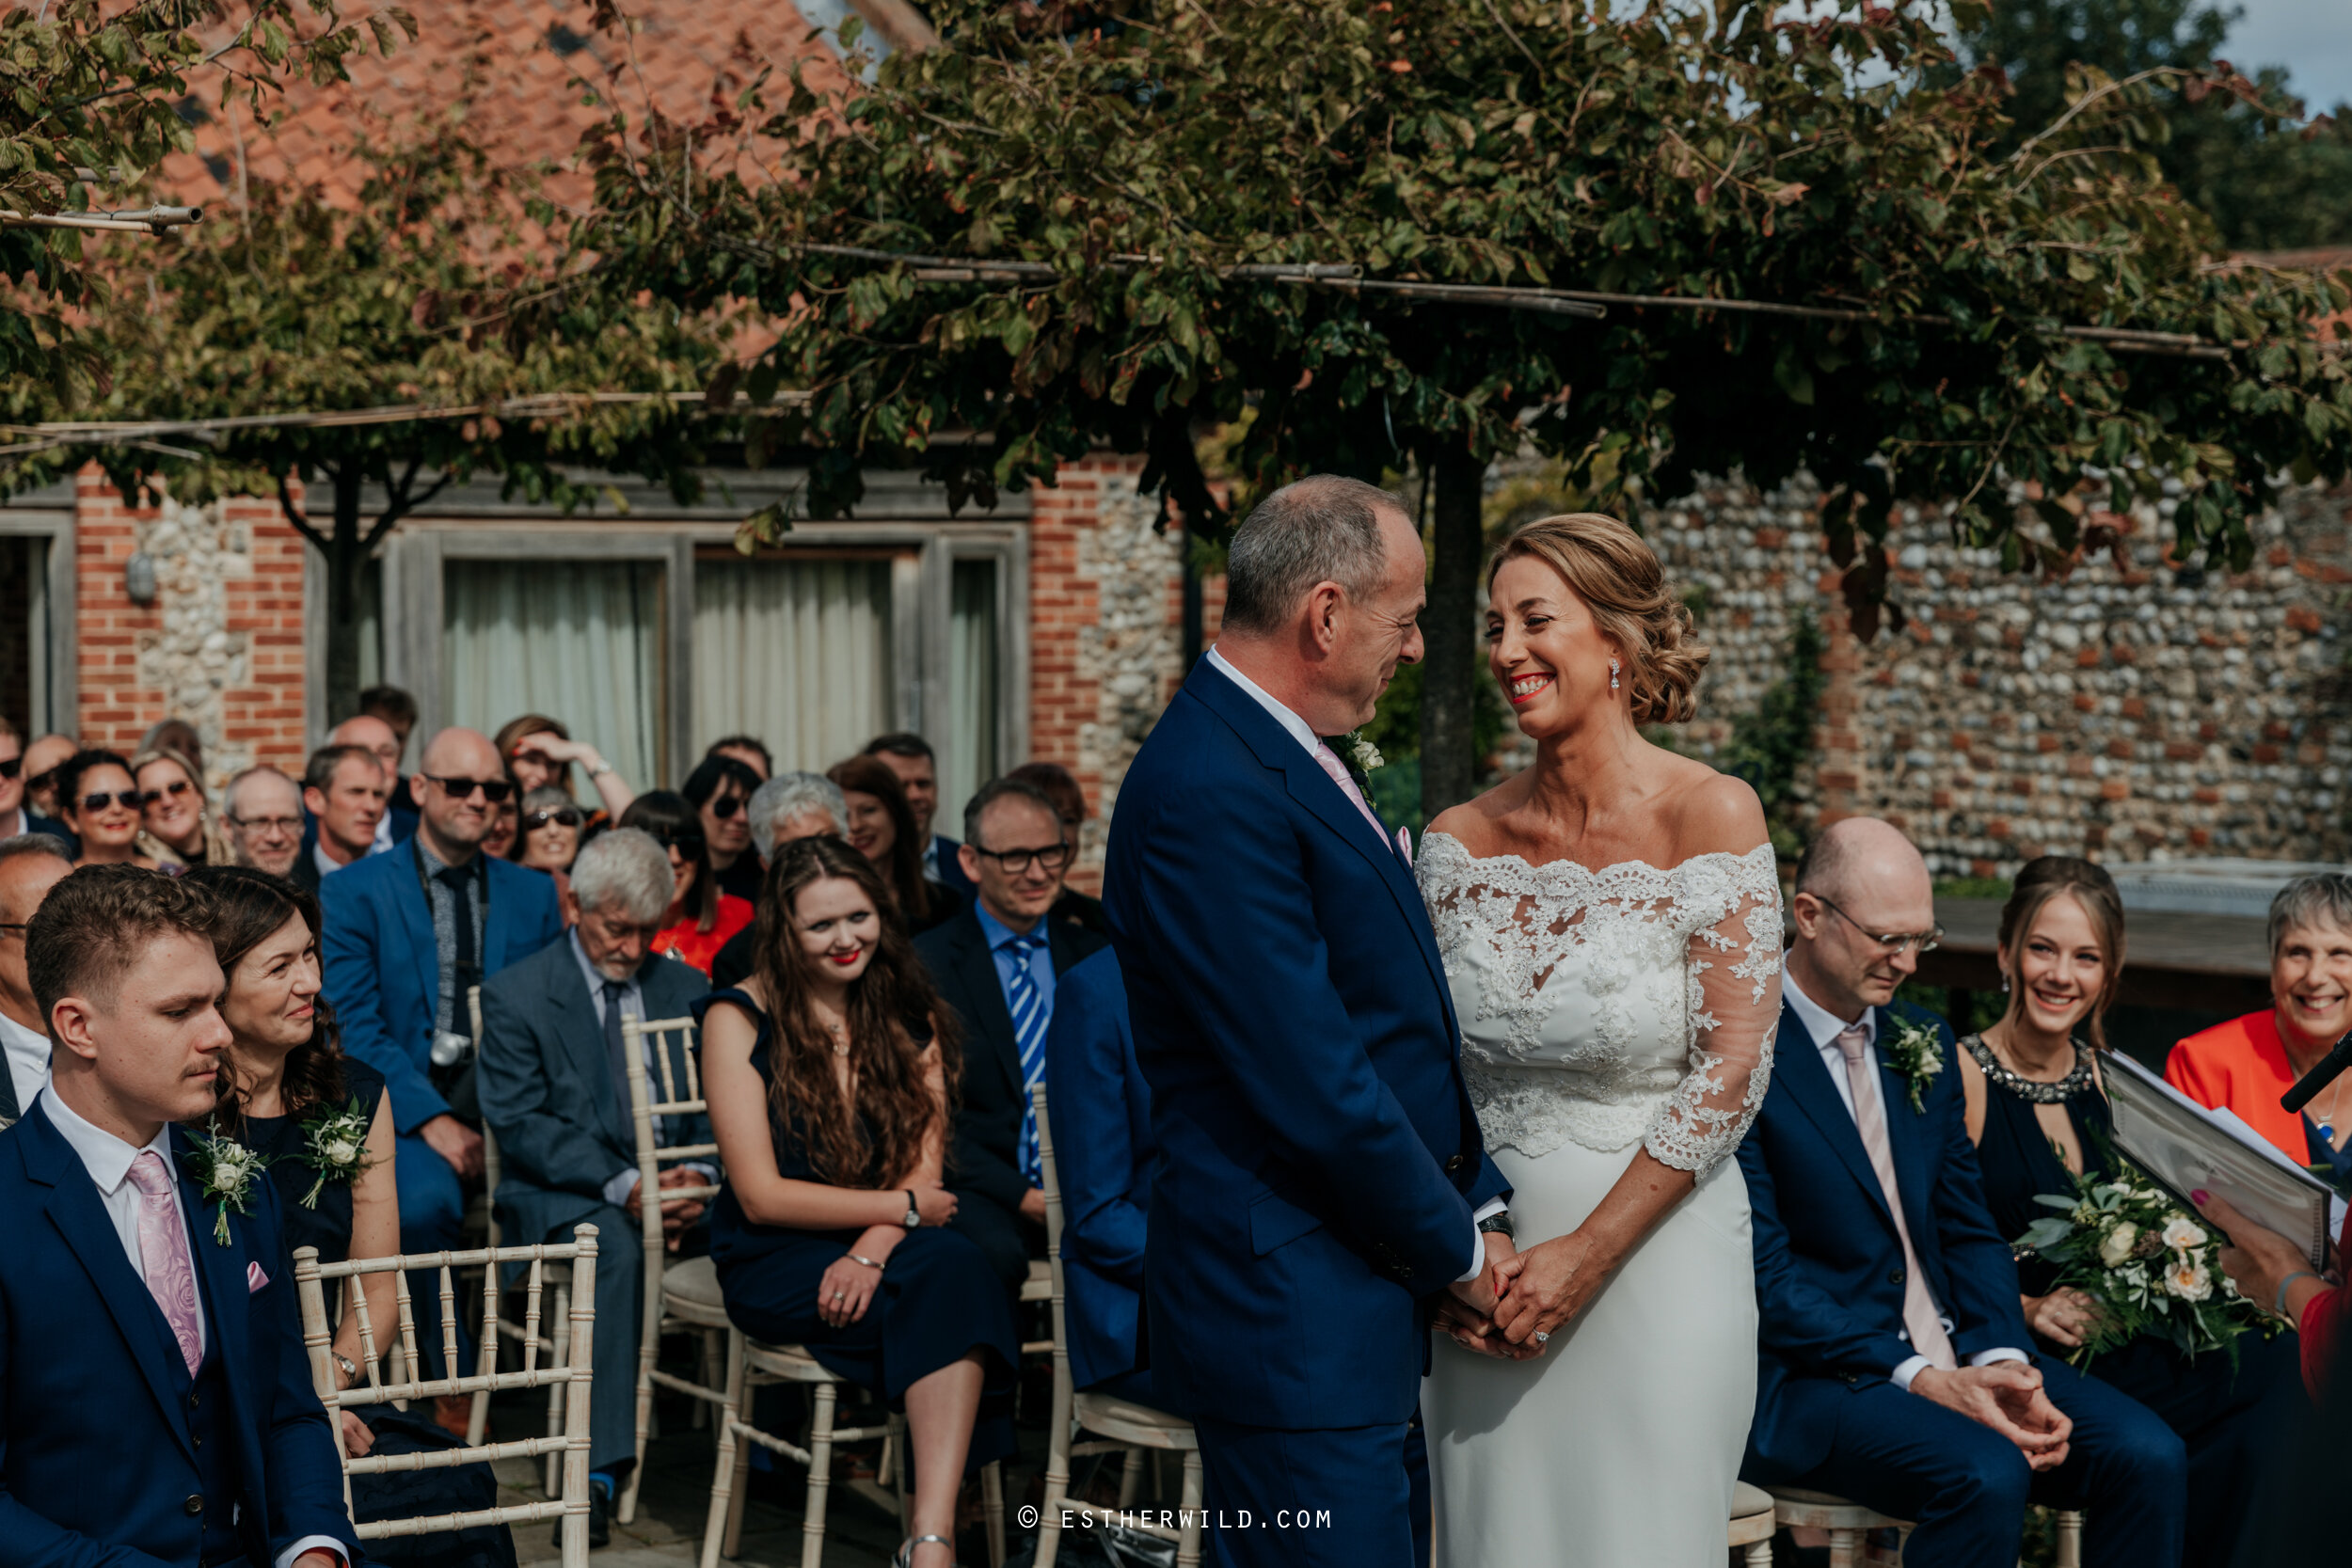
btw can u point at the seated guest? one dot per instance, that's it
(718, 788)
(397, 709)
(43, 759)
(408, 935)
(177, 828)
(157, 1395)
(263, 809)
(882, 829)
(790, 806)
(385, 743)
(749, 751)
(1894, 1363)
(343, 790)
(1100, 1111)
(506, 822)
(997, 964)
(909, 756)
(1061, 786)
(828, 1075)
(538, 751)
(283, 1074)
(548, 838)
(2248, 1063)
(700, 919)
(555, 1091)
(174, 735)
(2270, 1269)
(2037, 1110)
(17, 814)
(101, 805)
(30, 865)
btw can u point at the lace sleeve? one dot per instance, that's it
(1733, 964)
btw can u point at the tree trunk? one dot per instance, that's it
(344, 559)
(1449, 676)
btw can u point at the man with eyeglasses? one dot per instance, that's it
(409, 935)
(996, 964)
(30, 865)
(1894, 1363)
(263, 809)
(17, 814)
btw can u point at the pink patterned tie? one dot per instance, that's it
(1340, 775)
(164, 1254)
(1869, 1114)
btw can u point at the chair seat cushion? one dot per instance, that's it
(1746, 1499)
(694, 1281)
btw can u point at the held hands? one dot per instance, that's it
(1544, 1286)
(2062, 1317)
(676, 1212)
(2006, 1397)
(1464, 1311)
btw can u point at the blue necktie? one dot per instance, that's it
(1030, 1017)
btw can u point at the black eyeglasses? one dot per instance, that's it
(42, 781)
(267, 824)
(12, 767)
(17, 926)
(1017, 861)
(97, 800)
(494, 791)
(686, 845)
(1892, 943)
(725, 806)
(568, 816)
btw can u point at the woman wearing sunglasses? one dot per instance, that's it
(718, 788)
(701, 917)
(99, 799)
(178, 829)
(548, 839)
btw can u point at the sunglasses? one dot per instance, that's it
(97, 800)
(688, 844)
(11, 768)
(180, 787)
(566, 817)
(725, 806)
(42, 781)
(494, 791)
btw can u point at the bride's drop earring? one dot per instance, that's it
(1612, 674)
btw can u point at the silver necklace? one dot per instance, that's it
(2032, 1090)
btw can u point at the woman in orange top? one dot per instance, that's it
(2248, 1063)
(700, 918)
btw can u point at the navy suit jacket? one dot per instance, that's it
(1319, 1157)
(1100, 1111)
(951, 867)
(384, 978)
(546, 1087)
(1829, 1266)
(96, 1462)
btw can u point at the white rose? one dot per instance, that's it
(2188, 1281)
(2119, 1245)
(2181, 1233)
(342, 1151)
(1368, 756)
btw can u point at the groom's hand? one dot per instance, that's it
(2006, 1397)
(1465, 1310)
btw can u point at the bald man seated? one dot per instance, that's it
(1895, 1367)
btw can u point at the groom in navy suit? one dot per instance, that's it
(1321, 1178)
(155, 1399)
(1895, 1367)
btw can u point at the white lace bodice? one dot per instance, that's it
(1609, 1007)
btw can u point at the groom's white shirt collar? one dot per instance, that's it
(1298, 728)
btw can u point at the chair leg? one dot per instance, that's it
(1129, 1480)
(648, 1352)
(820, 1478)
(1759, 1554)
(1188, 1521)
(722, 1477)
(555, 1390)
(477, 1418)
(714, 1360)
(993, 1506)
(733, 1540)
(894, 1447)
(1845, 1548)
(2070, 1539)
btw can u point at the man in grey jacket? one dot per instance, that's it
(554, 1091)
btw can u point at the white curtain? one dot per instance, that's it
(794, 651)
(577, 640)
(967, 751)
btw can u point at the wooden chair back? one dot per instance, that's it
(312, 1279)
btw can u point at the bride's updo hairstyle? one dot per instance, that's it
(1617, 573)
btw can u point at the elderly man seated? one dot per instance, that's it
(554, 1084)
(788, 806)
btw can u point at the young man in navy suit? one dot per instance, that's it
(155, 1399)
(1321, 1181)
(1894, 1365)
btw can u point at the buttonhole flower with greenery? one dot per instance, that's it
(1916, 1052)
(336, 1143)
(226, 1169)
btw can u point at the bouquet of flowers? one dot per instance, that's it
(2149, 1267)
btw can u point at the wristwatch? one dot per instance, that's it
(351, 1368)
(913, 1215)
(1501, 1223)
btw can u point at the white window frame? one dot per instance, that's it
(55, 685)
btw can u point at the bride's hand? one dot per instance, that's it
(1546, 1286)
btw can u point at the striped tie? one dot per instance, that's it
(1030, 1016)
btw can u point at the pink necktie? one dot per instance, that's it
(1347, 781)
(164, 1254)
(1927, 1330)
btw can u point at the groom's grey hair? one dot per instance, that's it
(1321, 529)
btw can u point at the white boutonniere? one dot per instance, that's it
(1916, 1052)
(225, 1170)
(336, 1143)
(1367, 755)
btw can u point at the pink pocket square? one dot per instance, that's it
(254, 1278)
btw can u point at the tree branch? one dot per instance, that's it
(295, 515)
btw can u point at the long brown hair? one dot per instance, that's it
(890, 1007)
(2043, 879)
(870, 775)
(249, 906)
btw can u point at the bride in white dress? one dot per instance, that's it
(1610, 921)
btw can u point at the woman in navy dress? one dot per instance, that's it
(828, 1078)
(284, 1072)
(2038, 1111)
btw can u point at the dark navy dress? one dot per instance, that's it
(938, 1301)
(2232, 1418)
(398, 1494)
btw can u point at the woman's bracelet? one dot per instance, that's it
(868, 1261)
(2278, 1307)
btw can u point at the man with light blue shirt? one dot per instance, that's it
(996, 965)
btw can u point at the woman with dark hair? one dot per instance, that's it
(881, 828)
(540, 751)
(828, 1075)
(718, 788)
(2037, 1109)
(322, 1121)
(99, 799)
(700, 918)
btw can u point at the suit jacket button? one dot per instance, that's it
(1896, 1277)
(195, 1503)
(1452, 1165)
